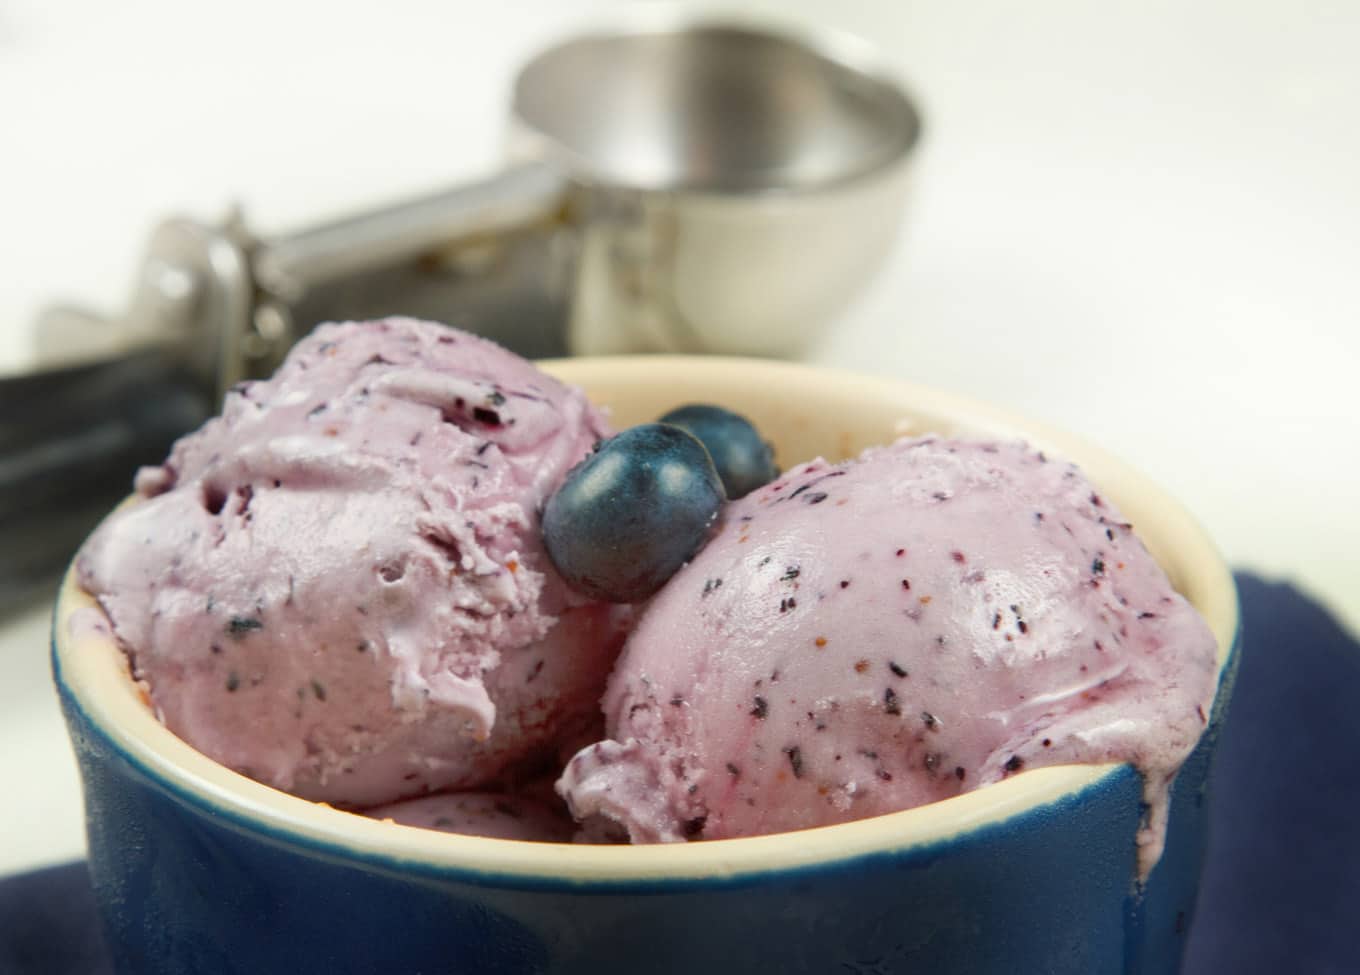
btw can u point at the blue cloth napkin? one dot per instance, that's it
(1281, 888)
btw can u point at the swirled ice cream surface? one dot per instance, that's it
(866, 637)
(337, 587)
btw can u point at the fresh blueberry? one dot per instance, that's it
(632, 513)
(744, 461)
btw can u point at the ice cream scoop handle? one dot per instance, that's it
(70, 442)
(512, 200)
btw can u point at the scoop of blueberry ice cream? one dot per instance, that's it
(866, 637)
(338, 586)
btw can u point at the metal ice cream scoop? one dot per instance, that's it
(696, 186)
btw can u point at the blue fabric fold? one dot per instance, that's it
(1281, 887)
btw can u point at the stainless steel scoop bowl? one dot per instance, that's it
(671, 185)
(735, 187)
(714, 108)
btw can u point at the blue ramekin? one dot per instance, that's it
(198, 869)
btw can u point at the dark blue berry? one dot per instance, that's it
(744, 461)
(632, 513)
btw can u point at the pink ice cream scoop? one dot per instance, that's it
(867, 637)
(502, 816)
(337, 587)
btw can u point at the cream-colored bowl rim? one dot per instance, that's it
(95, 673)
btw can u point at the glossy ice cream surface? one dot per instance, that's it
(867, 637)
(337, 587)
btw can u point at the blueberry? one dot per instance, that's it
(632, 513)
(744, 461)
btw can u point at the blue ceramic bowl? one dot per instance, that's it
(198, 869)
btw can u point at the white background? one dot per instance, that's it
(1140, 221)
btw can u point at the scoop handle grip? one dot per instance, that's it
(70, 442)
